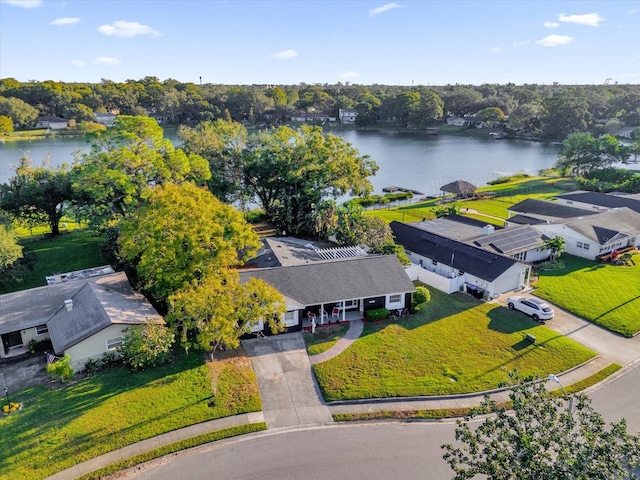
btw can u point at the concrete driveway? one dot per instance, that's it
(289, 392)
(18, 374)
(609, 345)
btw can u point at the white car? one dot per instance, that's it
(534, 307)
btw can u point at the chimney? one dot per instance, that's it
(68, 305)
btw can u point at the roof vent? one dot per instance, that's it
(68, 304)
(488, 229)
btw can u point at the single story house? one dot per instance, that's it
(534, 212)
(331, 289)
(84, 313)
(599, 202)
(593, 235)
(52, 123)
(450, 265)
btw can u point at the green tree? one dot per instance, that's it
(61, 369)
(20, 112)
(10, 251)
(540, 438)
(6, 125)
(222, 144)
(146, 346)
(125, 160)
(183, 233)
(582, 154)
(216, 310)
(420, 297)
(565, 113)
(556, 246)
(491, 115)
(289, 172)
(36, 191)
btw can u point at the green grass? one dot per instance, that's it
(506, 195)
(453, 345)
(175, 447)
(460, 412)
(604, 294)
(58, 428)
(65, 253)
(324, 338)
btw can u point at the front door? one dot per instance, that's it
(12, 339)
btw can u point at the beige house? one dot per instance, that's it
(84, 313)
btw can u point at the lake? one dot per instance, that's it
(414, 161)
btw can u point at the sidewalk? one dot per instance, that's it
(155, 442)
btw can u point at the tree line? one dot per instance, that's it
(543, 111)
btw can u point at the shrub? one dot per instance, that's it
(110, 360)
(36, 346)
(14, 407)
(376, 314)
(146, 346)
(92, 366)
(421, 295)
(61, 369)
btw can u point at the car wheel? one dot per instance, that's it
(535, 317)
(511, 306)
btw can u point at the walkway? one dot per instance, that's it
(354, 332)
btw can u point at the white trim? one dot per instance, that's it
(113, 343)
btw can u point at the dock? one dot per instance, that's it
(394, 189)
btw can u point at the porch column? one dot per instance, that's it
(321, 314)
(343, 311)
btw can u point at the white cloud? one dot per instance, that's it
(590, 19)
(65, 21)
(633, 11)
(551, 24)
(285, 54)
(384, 8)
(127, 29)
(521, 44)
(555, 40)
(495, 49)
(107, 61)
(24, 3)
(349, 74)
(77, 63)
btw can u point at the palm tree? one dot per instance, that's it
(555, 246)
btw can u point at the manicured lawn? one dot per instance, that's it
(604, 294)
(453, 345)
(65, 253)
(59, 428)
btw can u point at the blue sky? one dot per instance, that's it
(290, 42)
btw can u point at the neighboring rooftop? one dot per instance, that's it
(607, 226)
(603, 200)
(454, 226)
(546, 211)
(79, 274)
(474, 260)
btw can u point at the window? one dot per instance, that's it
(42, 329)
(114, 343)
(290, 319)
(257, 326)
(434, 262)
(520, 256)
(583, 245)
(395, 298)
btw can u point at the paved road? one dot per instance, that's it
(385, 451)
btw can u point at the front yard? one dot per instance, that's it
(453, 345)
(59, 428)
(607, 295)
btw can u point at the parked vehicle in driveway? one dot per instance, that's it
(534, 307)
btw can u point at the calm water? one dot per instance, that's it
(418, 162)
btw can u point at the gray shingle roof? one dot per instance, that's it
(603, 200)
(473, 260)
(95, 307)
(98, 302)
(603, 227)
(334, 281)
(547, 209)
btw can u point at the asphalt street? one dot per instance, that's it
(383, 451)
